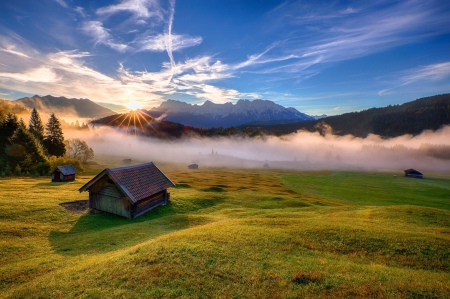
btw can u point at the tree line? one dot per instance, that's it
(35, 149)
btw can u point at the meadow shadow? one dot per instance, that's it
(97, 232)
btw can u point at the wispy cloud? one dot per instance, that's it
(12, 51)
(421, 74)
(168, 35)
(102, 36)
(159, 43)
(344, 34)
(218, 95)
(62, 3)
(432, 72)
(41, 75)
(140, 9)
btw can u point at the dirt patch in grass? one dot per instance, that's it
(304, 278)
(79, 206)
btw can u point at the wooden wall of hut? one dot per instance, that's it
(105, 196)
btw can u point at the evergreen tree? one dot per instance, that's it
(22, 124)
(7, 128)
(36, 127)
(25, 150)
(54, 138)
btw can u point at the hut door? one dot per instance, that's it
(56, 176)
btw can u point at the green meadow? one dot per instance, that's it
(232, 233)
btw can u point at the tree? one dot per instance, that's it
(54, 137)
(22, 124)
(35, 126)
(27, 151)
(7, 128)
(78, 149)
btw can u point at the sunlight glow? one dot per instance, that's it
(132, 105)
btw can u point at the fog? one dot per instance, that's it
(301, 150)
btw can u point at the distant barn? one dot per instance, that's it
(64, 173)
(128, 191)
(126, 161)
(266, 165)
(412, 173)
(193, 166)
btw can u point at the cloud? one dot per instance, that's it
(12, 51)
(331, 33)
(62, 3)
(41, 74)
(422, 74)
(102, 36)
(140, 9)
(432, 72)
(80, 11)
(217, 94)
(159, 42)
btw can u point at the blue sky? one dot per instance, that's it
(317, 56)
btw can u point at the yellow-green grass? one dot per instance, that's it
(232, 233)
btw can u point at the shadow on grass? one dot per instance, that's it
(98, 232)
(216, 188)
(53, 184)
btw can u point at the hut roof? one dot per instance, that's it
(66, 169)
(412, 171)
(137, 181)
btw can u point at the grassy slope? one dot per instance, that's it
(233, 233)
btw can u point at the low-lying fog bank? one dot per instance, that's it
(429, 151)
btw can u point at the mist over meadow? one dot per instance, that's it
(301, 150)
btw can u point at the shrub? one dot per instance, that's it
(59, 161)
(17, 170)
(42, 168)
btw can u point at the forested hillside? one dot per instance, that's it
(428, 113)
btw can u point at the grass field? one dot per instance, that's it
(232, 233)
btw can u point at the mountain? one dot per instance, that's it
(64, 107)
(428, 113)
(12, 107)
(224, 115)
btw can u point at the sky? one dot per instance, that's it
(320, 57)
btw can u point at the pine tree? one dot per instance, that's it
(35, 126)
(7, 129)
(22, 124)
(54, 137)
(25, 150)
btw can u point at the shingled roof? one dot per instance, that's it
(137, 181)
(66, 169)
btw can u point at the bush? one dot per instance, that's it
(17, 170)
(7, 170)
(42, 168)
(59, 161)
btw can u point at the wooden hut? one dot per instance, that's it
(126, 161)
(193, 166)
(266, 165)
(64, 173)
(412, 173)
(128, 191)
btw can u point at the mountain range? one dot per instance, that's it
(210, 114)
(65, 107)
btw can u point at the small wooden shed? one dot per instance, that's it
(64, 173)
(193, 166)
(412, 173)
(128, 191)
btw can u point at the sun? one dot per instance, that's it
(132, 105)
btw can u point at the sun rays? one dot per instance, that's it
(134, 121)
